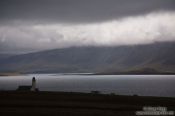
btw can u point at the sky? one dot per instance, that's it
(36, 25)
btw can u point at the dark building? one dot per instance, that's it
(24, 88)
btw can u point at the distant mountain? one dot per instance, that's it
(157, 57)
(4, 56)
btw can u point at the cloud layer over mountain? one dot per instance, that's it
(32, 26)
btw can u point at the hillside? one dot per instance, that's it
(4, 56)
(158, 56)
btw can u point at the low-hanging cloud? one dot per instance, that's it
(143, 29)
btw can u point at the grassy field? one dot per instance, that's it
(13, 103)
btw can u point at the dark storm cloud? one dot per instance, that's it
(78, 10)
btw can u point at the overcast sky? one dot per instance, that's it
(34, 25)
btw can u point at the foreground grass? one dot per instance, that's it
(75, 104)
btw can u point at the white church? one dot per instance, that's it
(29, 88)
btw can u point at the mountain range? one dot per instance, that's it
(158, 57)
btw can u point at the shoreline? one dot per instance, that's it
(10, 74)
(18, 74)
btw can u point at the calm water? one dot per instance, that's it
(144, 85)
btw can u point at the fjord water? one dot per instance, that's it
(142, 85)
